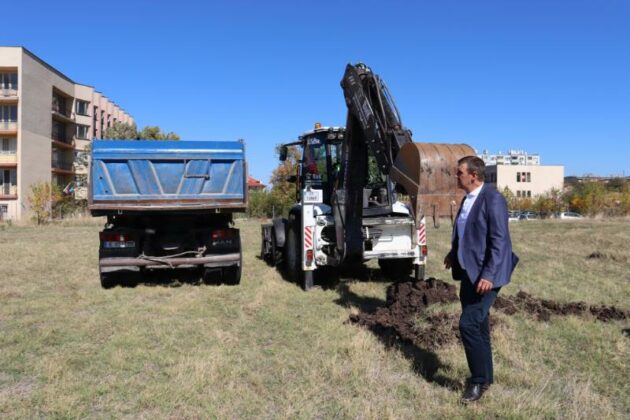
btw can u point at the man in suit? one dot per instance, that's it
(481, 259)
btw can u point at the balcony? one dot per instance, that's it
(62, 163)
(9, 96)
(8, 127)
(67, 145)
(8, 159)
(8, 191)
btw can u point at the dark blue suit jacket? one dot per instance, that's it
(487, 244)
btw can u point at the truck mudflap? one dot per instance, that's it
(125, 263)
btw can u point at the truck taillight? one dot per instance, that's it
(116, 240)
(223, 237)
(423, 250)
(222, 234)
(309, 257)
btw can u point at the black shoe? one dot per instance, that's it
(474, 392)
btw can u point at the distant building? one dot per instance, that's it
(254, 184)
(46, 121)
(522, 173)
(512, 157)
(526, 180)
(571, 181)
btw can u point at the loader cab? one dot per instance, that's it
(320, 160)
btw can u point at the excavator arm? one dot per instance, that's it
(424, 171)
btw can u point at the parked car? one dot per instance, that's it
(528, 215)
(513, 215)
(570, 215)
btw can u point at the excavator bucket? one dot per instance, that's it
(426, 171)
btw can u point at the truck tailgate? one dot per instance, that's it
(167, 175)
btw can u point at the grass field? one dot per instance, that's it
(266, 349)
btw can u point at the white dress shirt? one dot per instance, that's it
(461, 222)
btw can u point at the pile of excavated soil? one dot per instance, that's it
(405, 314)
(543, 309)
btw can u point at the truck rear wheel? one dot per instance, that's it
(396, 268)
(232, 275)
(108, 280)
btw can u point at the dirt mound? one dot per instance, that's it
(543, 309)
(405, 314)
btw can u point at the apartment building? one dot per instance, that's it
(46, 121)
(512, 157)
(526, 181)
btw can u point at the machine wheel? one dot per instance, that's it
(293, 263)
(396, 268)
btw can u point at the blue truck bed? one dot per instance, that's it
(150, 175)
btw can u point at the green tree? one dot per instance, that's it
(155, 133)
(283, 192)
(509, 198)
(588, 198)
(121, 131)
(42, 197)
(259, 204)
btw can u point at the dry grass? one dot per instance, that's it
(266, 349)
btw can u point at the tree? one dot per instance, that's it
(42, 197)
(155, 133)
(282, 191)
(509, 198)
(121, 131)
(588, 198)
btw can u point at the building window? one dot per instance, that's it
(82, 131)
(529, 177)
(8, 81)
(82, 107)
(4, 211)
(8, 181)
(518, 177)
(8, 113)
(529, 194)
(8, 146)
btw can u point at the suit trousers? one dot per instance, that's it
(474, 327)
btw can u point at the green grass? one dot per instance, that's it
(266, 349)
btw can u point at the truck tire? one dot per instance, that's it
(396, 268)
(232, 275)
(108, 280)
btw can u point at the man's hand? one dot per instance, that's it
(484, 286)
(447, 261)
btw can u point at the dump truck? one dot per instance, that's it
(350, 186)
(168, 204)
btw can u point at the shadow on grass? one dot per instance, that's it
(167, 278)
(426, 363)
(329, 278)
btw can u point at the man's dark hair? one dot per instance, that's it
(475, 165)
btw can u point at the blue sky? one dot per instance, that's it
(550, 77)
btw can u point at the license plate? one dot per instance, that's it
(313, 196)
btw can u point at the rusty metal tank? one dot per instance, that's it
(426, 171)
